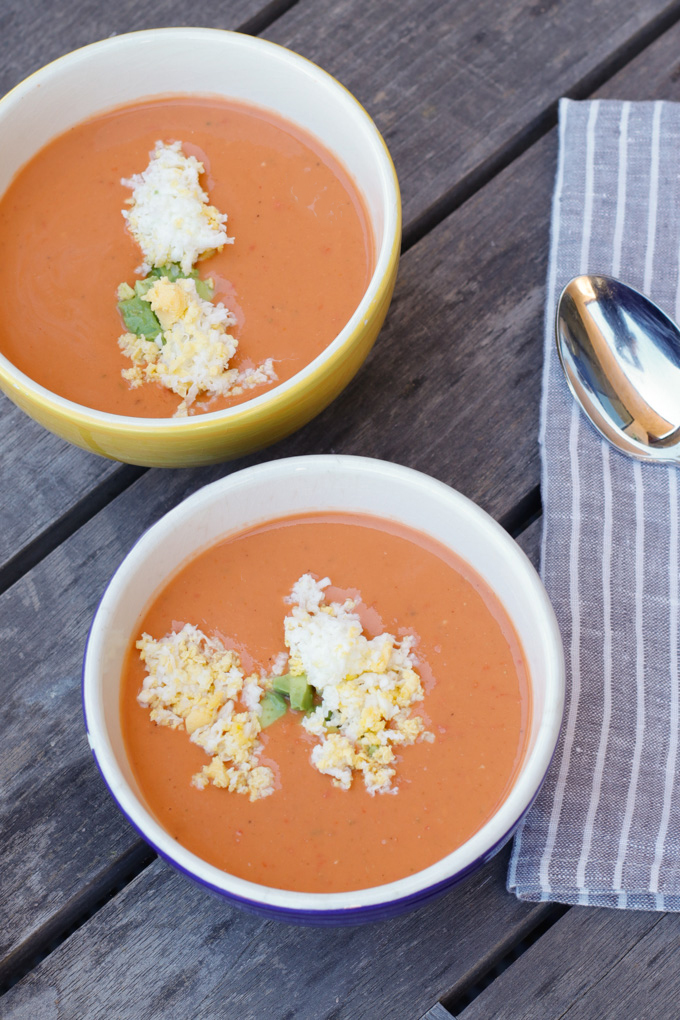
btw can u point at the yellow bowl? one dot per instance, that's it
(208, 61)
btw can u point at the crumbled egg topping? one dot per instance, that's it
(193, 683)
(191, 356)
(169, 215)
(367, 688)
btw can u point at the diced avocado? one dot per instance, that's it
(142, 286)
(204, 288)
(296, 688)
(301, 694)
(172, 272)
(139, 318)
(282, 684)
(125, 291)
(273, 707)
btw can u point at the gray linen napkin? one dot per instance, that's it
(605, 828)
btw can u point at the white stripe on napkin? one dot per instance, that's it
(605, 828)
(673, 721)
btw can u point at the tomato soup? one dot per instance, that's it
(310, 835)
(301, 261)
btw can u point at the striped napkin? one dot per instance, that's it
(605, 828)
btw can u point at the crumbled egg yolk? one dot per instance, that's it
(193, 683)
(367, 688)
(191, 356)
(169, 216)
(170, 219)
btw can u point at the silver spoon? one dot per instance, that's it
(621, 356)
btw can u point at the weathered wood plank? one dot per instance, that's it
(430, 951)
(53, 854)
(437, 1012)
(643, 984)
(35, 33)
(451, 84)
(41, 479)
(592, 964)
(230, 964)
(429, 419)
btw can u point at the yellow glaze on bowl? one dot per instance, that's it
(210, 438)
(222, 435)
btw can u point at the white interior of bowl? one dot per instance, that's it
(305, 484)
(204, 61)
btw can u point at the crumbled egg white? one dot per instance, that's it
(191, 356)
(367, 688)
(193, 682)
(169, 215)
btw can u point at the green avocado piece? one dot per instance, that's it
(204, 288)
(173, 271)
(142, 286)
(139, 318)
(301, 694)
(282, 684)
(273, 707)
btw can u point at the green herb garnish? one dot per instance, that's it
(173, 272)
(139, 318)
(136, 312)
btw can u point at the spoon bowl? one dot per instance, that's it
(621, 358)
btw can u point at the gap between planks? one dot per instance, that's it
(472, 984)
(532, 132)
(266, 17)
(528, 509)
(523, 514)
(75, 913)
(414, 231)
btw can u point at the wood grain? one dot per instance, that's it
(437, 1012)
(232, 965)
(461, 352)
(43, 478)
(592, 964)
(429, 418)
(451, 85)
(34, 32)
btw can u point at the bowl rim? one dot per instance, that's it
(438, 875)
(386, 254)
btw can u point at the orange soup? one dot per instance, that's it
(309, 835)
(301, 261)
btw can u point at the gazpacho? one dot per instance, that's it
(325, 702)
(116, 231)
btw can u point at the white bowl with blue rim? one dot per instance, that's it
(303, 485)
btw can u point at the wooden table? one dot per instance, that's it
(92, 924)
